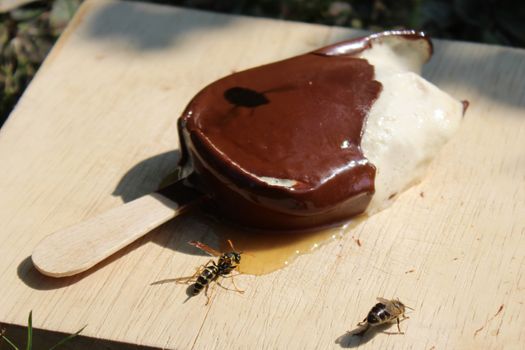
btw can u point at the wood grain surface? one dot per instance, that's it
(96, 128)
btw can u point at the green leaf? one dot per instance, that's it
(68, 338)
(30, 331)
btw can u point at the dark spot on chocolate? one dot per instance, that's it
(244, 97)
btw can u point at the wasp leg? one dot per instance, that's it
(185, 280)
(398, 320)
(398, 328)
(363, 323)
(193, 278)
(208, 297)
(237, 289)
(233, 274)
(233, 290)
(206, 294)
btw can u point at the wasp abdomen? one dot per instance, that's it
(378, 314)
(207, 275)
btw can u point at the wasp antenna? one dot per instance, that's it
(231, 244)
(410, 308)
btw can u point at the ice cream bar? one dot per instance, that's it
(299, 144)
(315, 139)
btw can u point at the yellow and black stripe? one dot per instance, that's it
(210, 273)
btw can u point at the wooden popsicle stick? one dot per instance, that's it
(79, 247)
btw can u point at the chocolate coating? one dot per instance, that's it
(299, 120)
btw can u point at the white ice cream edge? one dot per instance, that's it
(409, 123)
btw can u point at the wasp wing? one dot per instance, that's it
(182, 280)
(391, 307)
(205, 247)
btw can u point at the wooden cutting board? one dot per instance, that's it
(96, 127)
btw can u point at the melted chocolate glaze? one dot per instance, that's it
(299, 120)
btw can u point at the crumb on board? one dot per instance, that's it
(410, 271)
(422, 194)
(490, 319)
(392, 195)
(358, 241)
(454, 259)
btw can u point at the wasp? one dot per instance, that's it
(384, 311)
(211, 272)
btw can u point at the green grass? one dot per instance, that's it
(29, 341)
